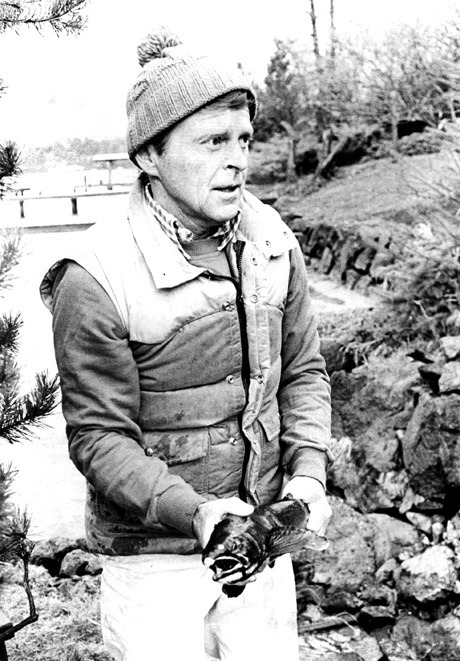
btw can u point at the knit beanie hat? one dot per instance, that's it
(173, 84)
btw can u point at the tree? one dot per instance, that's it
(314, 31)
(60, 15)
(333, 34)
(282, 101)
(410, 74)
(21, 413)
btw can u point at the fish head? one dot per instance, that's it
(232, 549)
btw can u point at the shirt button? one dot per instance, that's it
(232, 440)
(254, 261)
(268, 244)
(228, 307)
(149, 452)
(254, 298)
(260, 378)
(231, 378)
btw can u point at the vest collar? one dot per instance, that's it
(260, 225)
(168, 266)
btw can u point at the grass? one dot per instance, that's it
(68, 627)
(372, 192)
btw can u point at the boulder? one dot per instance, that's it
(345, 644)
(431, 448)
(392, 537)
(429, 576)
(372, 406)
(451, 346)
(412, 636)
(445, 639)
(348, 562)
(80, 563)
(49, 553)
(450, 378)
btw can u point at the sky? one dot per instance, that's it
(75, 86)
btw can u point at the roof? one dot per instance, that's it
(122, 156)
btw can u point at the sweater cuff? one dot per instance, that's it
(310, 463)
(177, 506)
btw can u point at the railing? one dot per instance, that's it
(73, 197)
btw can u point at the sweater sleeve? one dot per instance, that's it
(304, 394)
(100, 402)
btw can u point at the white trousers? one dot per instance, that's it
(168, 608)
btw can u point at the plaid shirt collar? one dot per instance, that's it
(179, 234)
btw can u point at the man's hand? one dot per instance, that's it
(312, 493)
(210, 513)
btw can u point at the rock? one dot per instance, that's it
(428, 576)
(339, 601)
(350, 644)
(334, 353)
(367, 649)
(79, 563)
(451, 346)
(49, 553)
(379, 595)
(348, 562)
(431, 448)
(392, 537)
(375, 617)
(431, 374)
(413, 635)
(450, 378)
(420, 521)
(445, 635)
(372, 406)
(387, 572)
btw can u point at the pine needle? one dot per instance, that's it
(20, 417)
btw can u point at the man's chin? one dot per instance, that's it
(223, 216)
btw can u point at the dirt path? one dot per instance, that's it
(330, 296)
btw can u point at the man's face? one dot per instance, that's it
(200, 175)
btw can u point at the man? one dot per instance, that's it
(191, 377)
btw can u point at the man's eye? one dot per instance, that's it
(217, 140)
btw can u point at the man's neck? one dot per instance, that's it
(198, 230)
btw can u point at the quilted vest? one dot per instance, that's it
(221, 435)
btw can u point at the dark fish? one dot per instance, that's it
(242, 546)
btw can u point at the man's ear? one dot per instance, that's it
(147, 159)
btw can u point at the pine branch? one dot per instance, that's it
(7, 475)
(9, 164)
(21, 415)
(14, 543)
(59, 14)
(10, 254)
(9, 332)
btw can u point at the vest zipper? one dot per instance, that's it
(245, 372)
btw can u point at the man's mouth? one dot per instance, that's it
(228, 189)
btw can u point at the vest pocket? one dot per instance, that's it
(226, 459)
(269, 428)
(185, 451)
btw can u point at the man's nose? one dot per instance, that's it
(236, 156)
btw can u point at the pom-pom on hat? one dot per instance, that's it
(173, 84)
